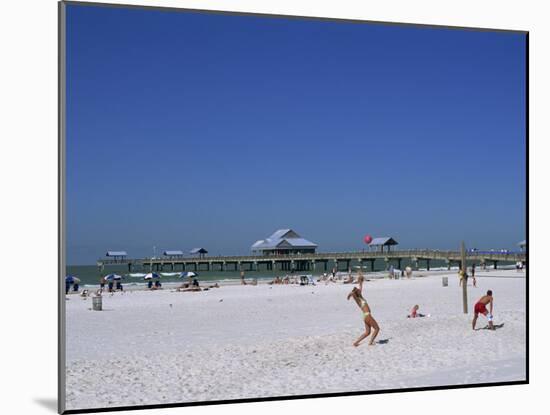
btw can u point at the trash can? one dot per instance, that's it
(97, 303)
(445, 281)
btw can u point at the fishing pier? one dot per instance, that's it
(341, 261)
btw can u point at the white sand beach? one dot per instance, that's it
(260, 341)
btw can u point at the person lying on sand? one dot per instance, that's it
(180, 289)
(415, 313)
(276, 280)
(349, 279)
(370, 322)
(331, 279)
(481, 308)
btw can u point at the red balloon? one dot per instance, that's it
(368, 239)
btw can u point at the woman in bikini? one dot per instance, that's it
(370, 322)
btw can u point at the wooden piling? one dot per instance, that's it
(464, 280)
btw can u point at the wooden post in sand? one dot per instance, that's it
(464, 280)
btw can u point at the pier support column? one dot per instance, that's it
(273, 266)
(495, 264)
(448, 261)
(372, 265)
(336, 264)
(399, 263)
(129, 267)
(427, 264)
(387, 261)
(313, 265)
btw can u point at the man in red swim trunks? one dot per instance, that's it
(481, 308)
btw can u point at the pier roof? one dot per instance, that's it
(284, 233)
(522, 243)
(283, 238)
(386, 240)
(198, 251)
(116, 253)
(173, 253)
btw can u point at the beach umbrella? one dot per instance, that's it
(151, 275)
(113, 277)
(188, 274)
(69, 279)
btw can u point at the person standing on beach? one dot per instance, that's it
(368, 319)
(360, 280)
(462, 277)
(474, 275)
(481, 308)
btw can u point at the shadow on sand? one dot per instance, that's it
(383, 341)
(496, 327)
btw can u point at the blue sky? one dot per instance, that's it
(188, 129)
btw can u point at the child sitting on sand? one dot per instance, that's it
(415, 313)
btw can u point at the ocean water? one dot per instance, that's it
(90, 274)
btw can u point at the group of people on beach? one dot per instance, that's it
(112, 285)
(300, 280)
(371, 325)
(193, 285)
